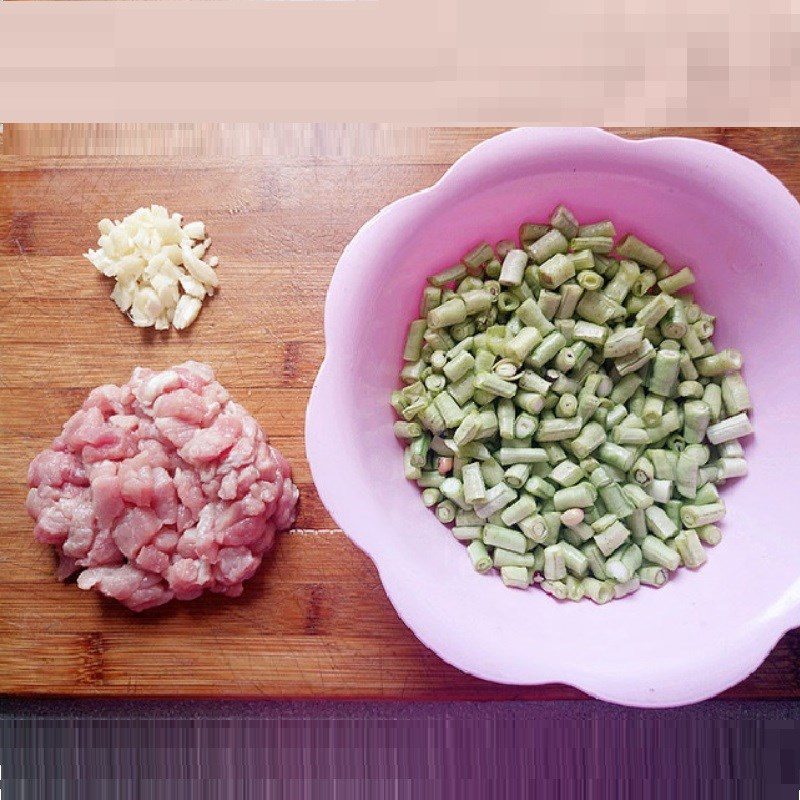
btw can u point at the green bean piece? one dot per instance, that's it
(692, 345)
(623, 342)
(446, 511)
(407, 430)
(430, 417)
(549, 303)
(431, 297)
(712, 397)
(419, 450)
(621, 284)
(644, 283)
(637, 250)
(625, 389)
(659, 524)
(732, 428)
(655, 551)
(709, 534)
(591, 332)
(531, 402)
(552, 243)
(564, 220)
(584, 261)
(704, 329)
(581, 495)
(451, 312)
(664, 372)
(643, 471)
(431, 496)
(698, 516)
(598, 308)
(555, 567)
(448, 276)
(414, 340)
(719, 364)
(597, 244)
(515, 577)
(637, 496)
(474, 488)
(570, 295)
(523, 508)
(507, 558)
(555, 271)
(520, 346)
(479, 556)
(604, 228)
(513, 268)
(532, 316)
(691, 549)
(557, 430)
(674, 325)
(655, 310)
(529, 232)
(628, 587)
(453, 489)
(677, 281)
(616, 455)
(556, 589)
(452, 413)
(735, 395)
(624, 564)
(651, 575)
(588, 440)
(478, 257)
(466, 533)
(492, 268)
(635, 360)
(497, 498)
(507, 538)
(600, 592)
(517, 474)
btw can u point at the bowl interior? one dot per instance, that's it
(743, 248)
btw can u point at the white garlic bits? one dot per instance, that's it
(158, 265)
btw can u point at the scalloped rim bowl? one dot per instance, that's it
(701, 204)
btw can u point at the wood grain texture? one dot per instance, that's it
(280, 203)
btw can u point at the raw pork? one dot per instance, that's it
(161, 488)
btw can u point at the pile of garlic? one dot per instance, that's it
(158, 265)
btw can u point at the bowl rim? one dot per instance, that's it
(322, 453)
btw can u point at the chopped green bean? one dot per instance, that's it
(555, 271)
(448, 276)
(655, 551)
(652, 575)
(735, 394)
(478, 554)
(637, 250)
(515, 577)
(604, 228)
(690, 548)
(597, 244)
(732, 428)
(677, 281)
(446, 511)
(569, 413)
(552, 243)
(600, 592)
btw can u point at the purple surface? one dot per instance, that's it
(117, 749)
(701, 204)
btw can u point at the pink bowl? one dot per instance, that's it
(702, 205)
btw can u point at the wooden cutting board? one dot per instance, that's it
(314, 622)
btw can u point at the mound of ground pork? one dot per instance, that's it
(161, 488)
